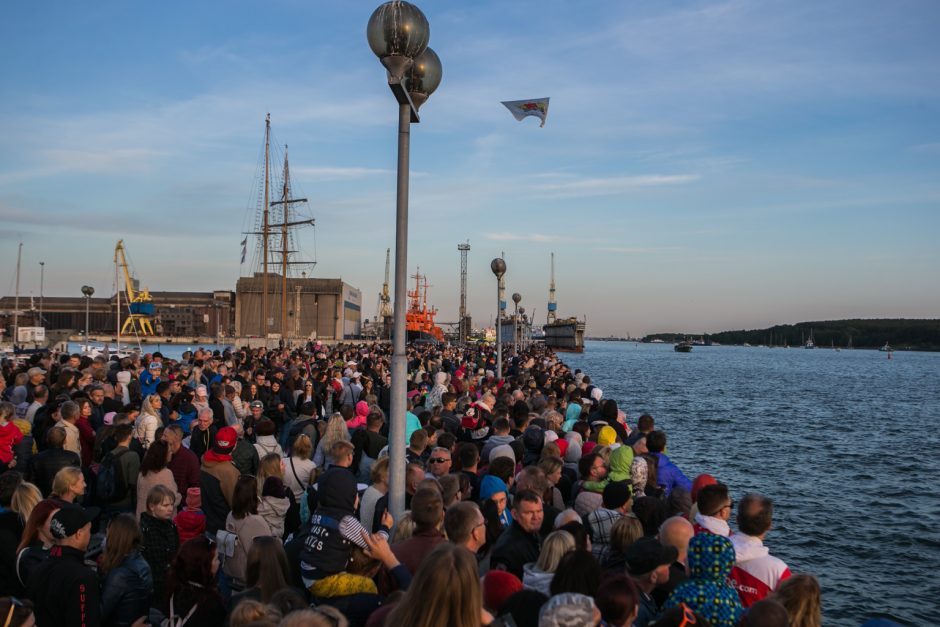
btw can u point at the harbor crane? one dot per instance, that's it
(384, 313)
(140, 303)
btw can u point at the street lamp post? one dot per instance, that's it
(87, 290)
(516, 297)
(398, 33)
(42, 279)
(498, 267)
(522, 328)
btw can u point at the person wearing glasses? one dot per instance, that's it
(714, 510)
(439, 462)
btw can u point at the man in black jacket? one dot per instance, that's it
(520, 543)
(10, 531)
(64, 590)
(42, 467)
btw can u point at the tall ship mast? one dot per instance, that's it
(278, 252)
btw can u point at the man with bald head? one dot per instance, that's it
(675, 532)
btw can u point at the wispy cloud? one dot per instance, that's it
(613, 185)
(638, 250)
(540, 238)
(335, 172)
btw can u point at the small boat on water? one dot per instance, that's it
(684, 346)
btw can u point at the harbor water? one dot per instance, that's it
(845, 442)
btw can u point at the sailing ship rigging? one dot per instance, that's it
(278, 251)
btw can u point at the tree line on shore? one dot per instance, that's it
(904, 334)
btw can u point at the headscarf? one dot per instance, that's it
(621, 461)
(639, 474)
(606, 436)
(571, 416)
(706, 591)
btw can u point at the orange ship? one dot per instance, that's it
(419, 320)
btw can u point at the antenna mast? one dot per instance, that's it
(463, 325)
(552, 306)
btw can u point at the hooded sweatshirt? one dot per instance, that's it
(706, 591)
(757, 573)
(491, 485)
(334, 528)
(621, 461)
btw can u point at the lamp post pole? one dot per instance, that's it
(87, 290)
(498, 267)
(522, 321)
(398, 33)
(42, 279)
(516, 298)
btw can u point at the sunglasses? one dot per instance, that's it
(439, 460)
(14, 603)
(688, 616)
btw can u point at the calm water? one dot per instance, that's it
(844, 442)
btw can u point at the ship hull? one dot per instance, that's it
(565, 335)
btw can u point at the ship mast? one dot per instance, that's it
(552, 306)
(284, 240)
(265, 230)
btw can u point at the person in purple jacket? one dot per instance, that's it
(668, 474)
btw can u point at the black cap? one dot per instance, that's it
(647, 554)
(68, 520)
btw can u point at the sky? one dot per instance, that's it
(704, 166)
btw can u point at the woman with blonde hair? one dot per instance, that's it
(433, 600)
(274, 504)
(148, 421)
(68, 485)
(378, 489)
(335, 431)
(25, 497)
(801, 597)
(299, 469)
(538, 575)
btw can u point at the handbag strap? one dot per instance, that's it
(293, 470)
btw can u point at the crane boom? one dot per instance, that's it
(139, 302)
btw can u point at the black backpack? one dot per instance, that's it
(110, 484)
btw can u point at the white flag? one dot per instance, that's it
(523, 108)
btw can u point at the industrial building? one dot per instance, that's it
(325, 309)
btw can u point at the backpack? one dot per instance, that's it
(110, 484)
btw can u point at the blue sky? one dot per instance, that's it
(704, 166)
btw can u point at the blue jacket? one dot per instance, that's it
(669, 476)
(126, 592)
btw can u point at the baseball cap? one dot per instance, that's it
(647, 554)
(155, 365)
(225, 440)
(68, 520)
(32, 372)
(256, 404)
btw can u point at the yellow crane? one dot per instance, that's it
(140, 302)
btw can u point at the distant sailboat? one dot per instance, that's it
(810, 343)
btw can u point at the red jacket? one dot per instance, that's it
(756, 573)
(10, 436)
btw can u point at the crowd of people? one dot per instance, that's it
(251, 487)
